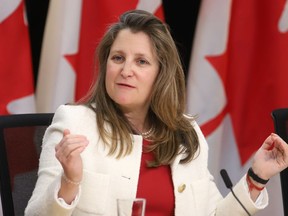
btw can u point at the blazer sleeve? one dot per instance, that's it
(44, 199)
(229, 205)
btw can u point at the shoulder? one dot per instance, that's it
(201, 137)
(74, 110)
(192, 120)
(70, 114)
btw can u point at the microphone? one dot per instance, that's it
(229, 185)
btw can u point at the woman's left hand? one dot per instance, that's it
(271, 158)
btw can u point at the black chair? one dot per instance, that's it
(20, 146)
(280, 119)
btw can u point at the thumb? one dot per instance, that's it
(66, 132)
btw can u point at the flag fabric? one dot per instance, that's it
(16, 75)
(237, 76)
(72, 32)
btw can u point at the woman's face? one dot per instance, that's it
(132, 68)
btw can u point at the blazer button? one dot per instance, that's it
(181, 188)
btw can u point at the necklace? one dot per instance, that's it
(148, 133)
(145, 134)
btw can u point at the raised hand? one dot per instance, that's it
(68, 153)
(271, 158)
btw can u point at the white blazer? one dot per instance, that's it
(107, 179)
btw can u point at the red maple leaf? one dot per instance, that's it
(16, 76)
(254, 72)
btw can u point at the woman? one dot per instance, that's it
(130, 138)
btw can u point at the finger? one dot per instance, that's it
(268, 144)
(66, 132)
(279, 143)
(68, 156)
(77, 151)
(73, 139)
(270, 141)
(277, 137)
(70, 139)
(70, 145)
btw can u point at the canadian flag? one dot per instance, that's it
(238, 74)
(73, 30)
(16, 75)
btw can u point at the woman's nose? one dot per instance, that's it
(127, 70)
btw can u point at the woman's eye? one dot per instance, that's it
(117, 58)
(142, 62)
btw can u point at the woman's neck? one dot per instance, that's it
(139, 122)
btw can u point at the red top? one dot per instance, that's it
(156, 186)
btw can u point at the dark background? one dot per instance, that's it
(181, 16)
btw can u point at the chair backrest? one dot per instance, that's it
(280, 119)
(20, 147)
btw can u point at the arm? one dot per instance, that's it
(45, 197)
(269, 160)
(68, 153)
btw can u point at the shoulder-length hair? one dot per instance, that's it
(172, 129)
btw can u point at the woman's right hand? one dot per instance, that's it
(68, 154)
